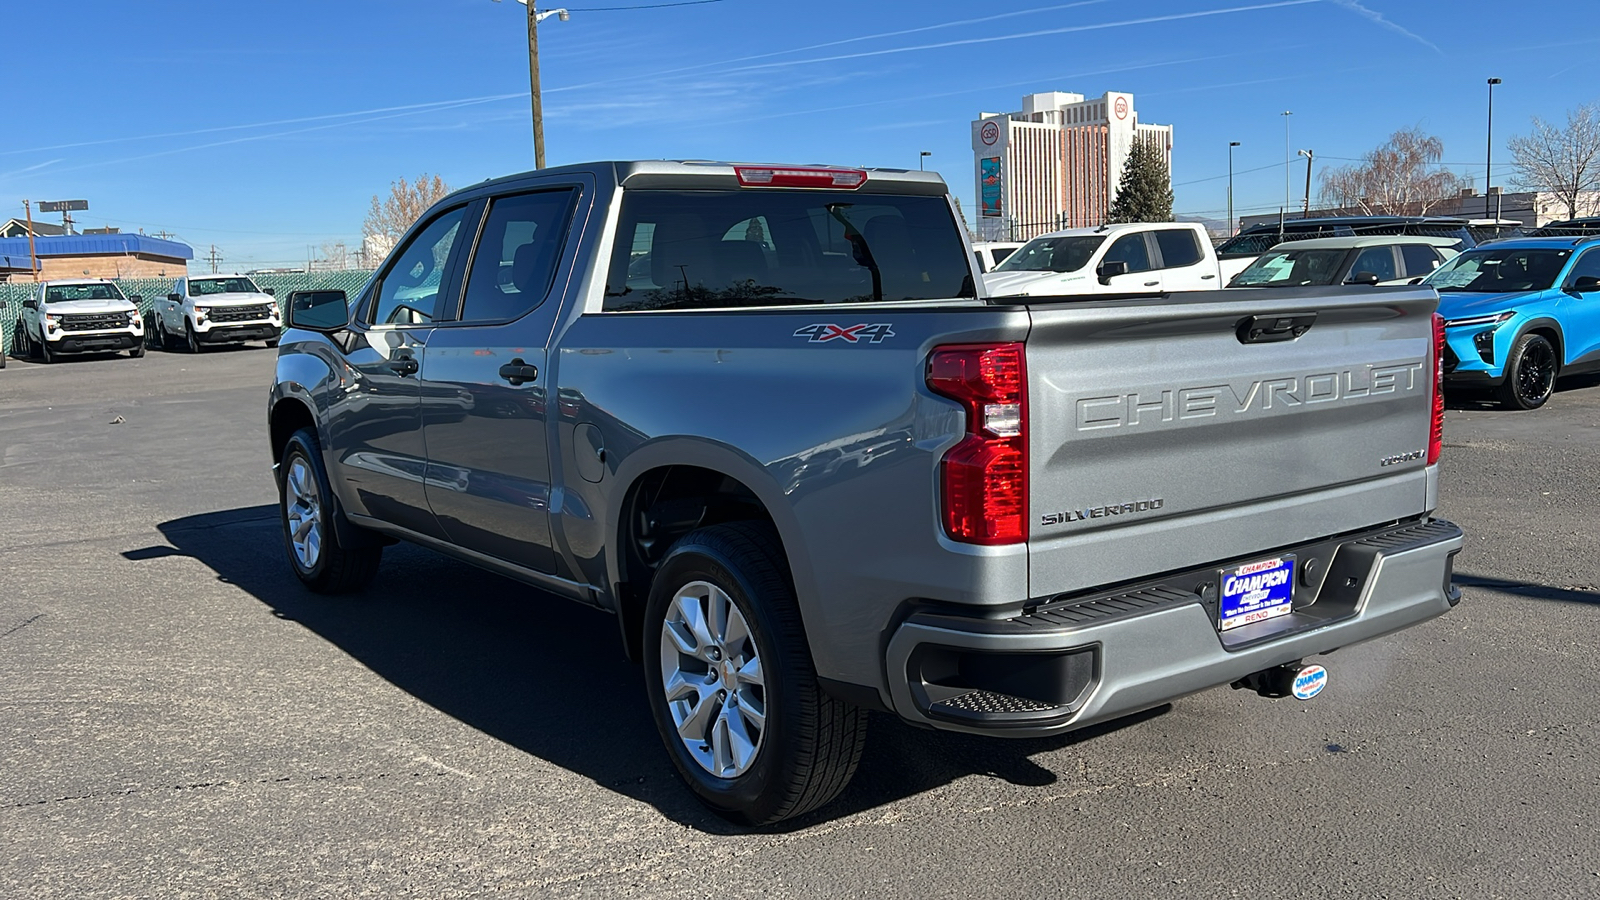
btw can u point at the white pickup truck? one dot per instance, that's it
(219, 309)
(87, 315)
(1140, 257)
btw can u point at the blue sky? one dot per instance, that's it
(267, 127)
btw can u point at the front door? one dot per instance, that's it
(485, 384)
(377, 458)
(1132, 249)
(1580, 313)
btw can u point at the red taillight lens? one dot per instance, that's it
(797, 177)
(1436, 434)
(984, 478)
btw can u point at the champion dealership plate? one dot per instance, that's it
(1255, 592)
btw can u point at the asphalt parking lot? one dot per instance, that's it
(179, 718)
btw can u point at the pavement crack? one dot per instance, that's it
(25, 623)
(226, 783)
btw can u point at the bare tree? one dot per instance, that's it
(335, 256)
(1565, 162)
(1400, 178)
(390, 216)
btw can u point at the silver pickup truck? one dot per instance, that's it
(767, 416)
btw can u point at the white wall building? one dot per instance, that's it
(1056, 163)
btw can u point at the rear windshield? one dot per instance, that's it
(1053, 254)
(721, 249)
(65, 293)
(200, 288)
(1291, 268)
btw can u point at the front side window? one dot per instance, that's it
(409, 292)
(1179, 247)
(200, 287)
(65, 293)
(1587, 266)
(1130, 249)
(718, 249)
(517, 255)
(1052, 254)
(1377, 260)
(1493, 270)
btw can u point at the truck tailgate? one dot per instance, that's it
(1163, 434)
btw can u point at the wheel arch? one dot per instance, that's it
(1548, 328)
(673, 487)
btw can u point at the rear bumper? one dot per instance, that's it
(1071, 663)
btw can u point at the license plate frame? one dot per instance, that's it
(1259, 591)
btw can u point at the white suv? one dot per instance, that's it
(216, 309)
(87, 315)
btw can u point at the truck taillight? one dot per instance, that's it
(984, 478)
(1436, 434)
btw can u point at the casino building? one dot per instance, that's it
(1056, 163)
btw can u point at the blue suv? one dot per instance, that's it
(1520, 312)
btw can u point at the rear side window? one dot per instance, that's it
(754, 248)
(1419, 260)
(517, 255)
(1178, 247)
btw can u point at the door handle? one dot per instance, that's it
(517, 372)
(1151, 283)
(403, 365)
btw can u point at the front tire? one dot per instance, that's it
(1531, 370)
(158, 335)
(46, 355)
(731, 684)
(191, 340)
(137, 350)
(305, 507)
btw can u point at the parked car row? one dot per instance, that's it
(91, 315)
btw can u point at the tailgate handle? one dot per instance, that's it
(1272, 328)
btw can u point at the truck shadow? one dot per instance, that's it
(547, 676)
(1526, 589)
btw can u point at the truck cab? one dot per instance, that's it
(1140, 257)
(208, 310)
(88, 315)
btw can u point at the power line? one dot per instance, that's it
(643, 6)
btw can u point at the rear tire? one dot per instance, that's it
(306, 510)
(1531, 369)
(731, 684)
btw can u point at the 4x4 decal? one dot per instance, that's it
(851, 334)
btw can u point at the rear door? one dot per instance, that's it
(1184, 266)
(1162, 435)
(485, 397)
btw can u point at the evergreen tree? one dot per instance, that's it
(1144, 193)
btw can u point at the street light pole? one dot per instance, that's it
(534, 18)
(920, 157)
(1488, 155)
(1305, 211)
(1231, 145)
(1286, 157)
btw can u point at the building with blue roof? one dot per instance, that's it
(113, 255)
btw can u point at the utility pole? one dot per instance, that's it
(1305, 211)
(1286, 157)
(534, 18)
(214, 257)
(1231, 145)
(33, 258)
(1488, 155)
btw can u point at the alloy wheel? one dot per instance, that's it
(1537, 373)
(712, 678)
(303, 509)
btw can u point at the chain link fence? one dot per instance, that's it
(348, 280)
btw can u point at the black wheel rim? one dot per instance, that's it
(1536, 374)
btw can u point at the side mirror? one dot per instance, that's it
(174, 298)
(1111, 269)
(30, 303)
(1586, 284)
(271, 292)
(136, 299)
(1368, 278)
(324, 311)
